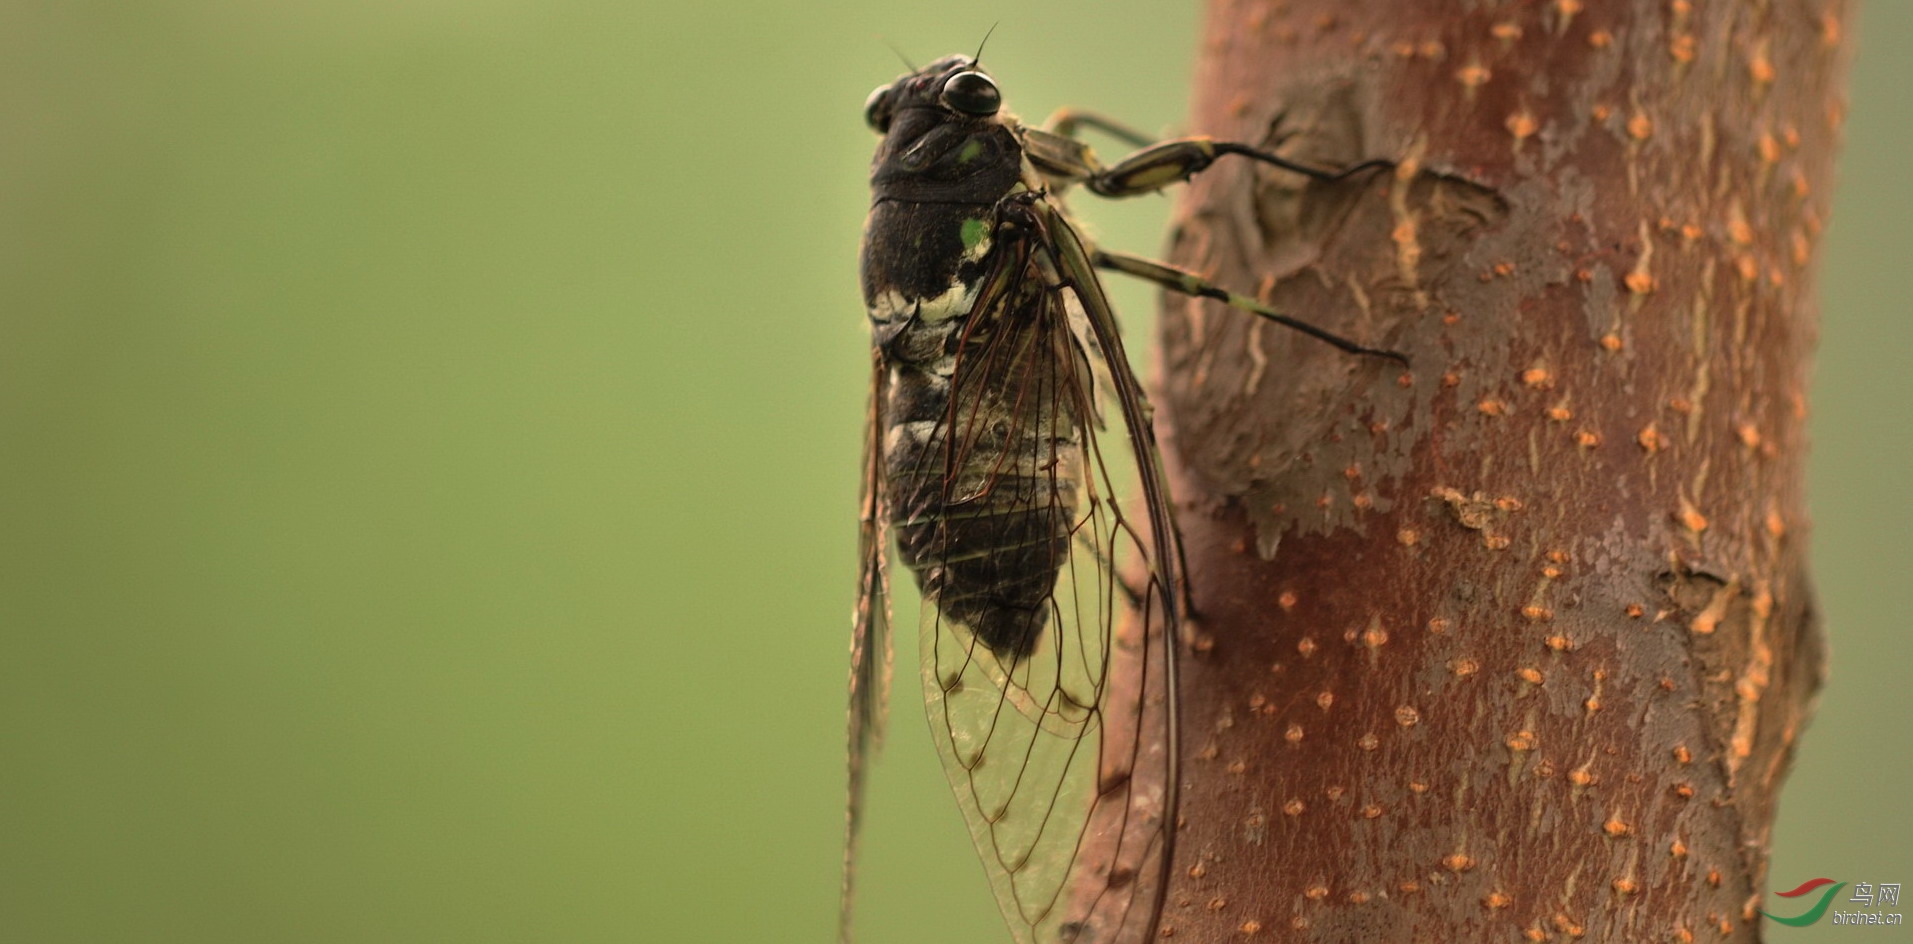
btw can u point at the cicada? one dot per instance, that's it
(1039, 534)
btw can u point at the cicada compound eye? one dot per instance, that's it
(972, 93)
(877, 109)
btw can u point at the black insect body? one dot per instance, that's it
(1049, 618)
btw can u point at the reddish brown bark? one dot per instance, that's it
(1515, 644)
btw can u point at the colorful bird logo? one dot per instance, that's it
(1820, 908)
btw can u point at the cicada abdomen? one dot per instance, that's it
(984, 461)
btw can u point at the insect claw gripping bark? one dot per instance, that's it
(1050, 617)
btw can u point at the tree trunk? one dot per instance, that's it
(1513, 644)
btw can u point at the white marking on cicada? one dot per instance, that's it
(892, 305)
(904, 435)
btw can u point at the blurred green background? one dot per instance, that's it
(427, 466)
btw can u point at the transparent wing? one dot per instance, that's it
(1055, 722)
(870, 653)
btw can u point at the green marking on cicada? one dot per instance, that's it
(974, 232)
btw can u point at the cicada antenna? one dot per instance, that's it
(893, 48)
(977, 59)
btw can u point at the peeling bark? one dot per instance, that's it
(1515, 644)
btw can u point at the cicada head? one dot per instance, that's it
(943, 124)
